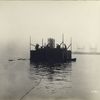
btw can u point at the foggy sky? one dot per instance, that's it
(42, 19)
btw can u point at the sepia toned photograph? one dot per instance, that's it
(49, 50)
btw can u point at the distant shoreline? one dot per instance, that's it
(88, 53)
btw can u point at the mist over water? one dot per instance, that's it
(74, 81)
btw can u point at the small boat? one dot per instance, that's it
(21, 59)
(10, 60)
(61, 53)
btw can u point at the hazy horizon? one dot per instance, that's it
(19, 79)
(42, 19)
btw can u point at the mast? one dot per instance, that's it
(30, 43)
(30, 47)
(62, 38)
(71, 43)
(42, 42)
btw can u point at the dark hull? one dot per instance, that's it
(51, 55)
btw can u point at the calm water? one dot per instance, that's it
(20, 80)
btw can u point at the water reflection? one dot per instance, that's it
(52, 72)
(56, 79)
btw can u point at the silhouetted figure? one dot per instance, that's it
(37, 46)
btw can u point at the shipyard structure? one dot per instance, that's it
(51, 53)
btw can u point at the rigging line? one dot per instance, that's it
(30, 89)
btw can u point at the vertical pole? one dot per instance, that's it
(30, 43)
(62, 38)
(30, 47)
(42, 42)
(71, 47)
(71, 43)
